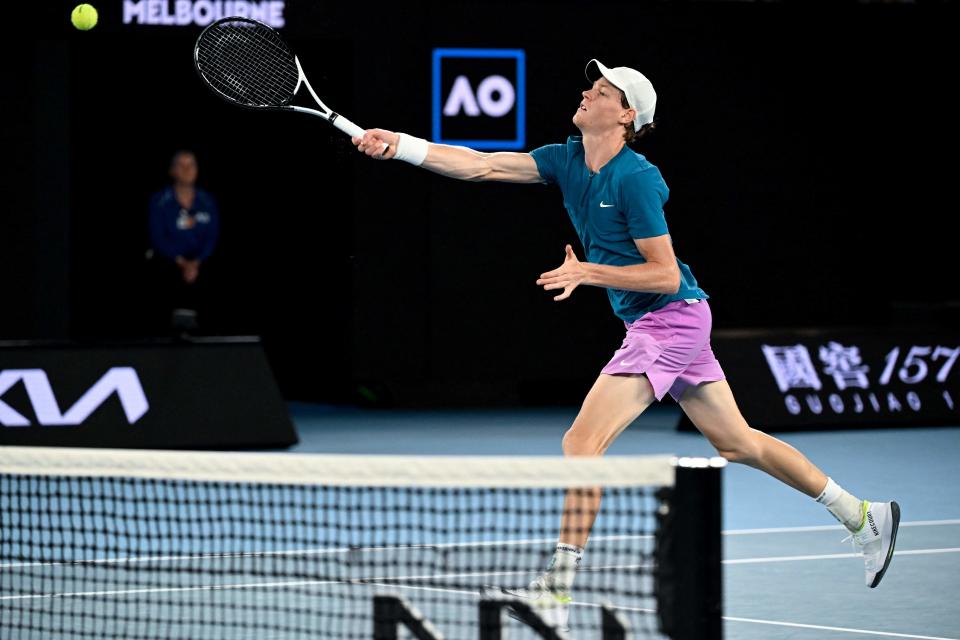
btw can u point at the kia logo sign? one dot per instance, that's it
(210, 393)
(479, 98)
(120, 380)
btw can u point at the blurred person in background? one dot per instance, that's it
(184, 224)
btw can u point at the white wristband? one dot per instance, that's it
(411, 149)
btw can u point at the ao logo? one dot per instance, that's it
(495, 97)
(479, 98)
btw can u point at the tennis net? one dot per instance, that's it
(153, 545)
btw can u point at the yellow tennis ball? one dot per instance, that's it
(84, 17)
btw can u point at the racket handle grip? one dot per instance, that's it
(346, 126)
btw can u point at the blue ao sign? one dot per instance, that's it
(479, 98)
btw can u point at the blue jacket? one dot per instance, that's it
(176, 231)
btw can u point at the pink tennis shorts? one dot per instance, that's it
(671, 346)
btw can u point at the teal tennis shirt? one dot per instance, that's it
(609, 209)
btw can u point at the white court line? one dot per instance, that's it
(309, 552)
(382, 581)
(819, 627)
(834, 556)
(262, 585)
(833, 527)
(393, 580)
(479, 543)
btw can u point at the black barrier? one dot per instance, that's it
(209, 393)
(841, 378)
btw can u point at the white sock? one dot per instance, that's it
(563, 566)
(844, 507)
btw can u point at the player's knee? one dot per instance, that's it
(572, 443)
(744, 451)
(741, 456)
(577, 443)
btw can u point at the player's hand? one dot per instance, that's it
(567, 277)
(189, 270)
(378, 143)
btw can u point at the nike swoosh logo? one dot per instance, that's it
(602, 204)
(624, 363)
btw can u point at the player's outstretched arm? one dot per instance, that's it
(454, 162)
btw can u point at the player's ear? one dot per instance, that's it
(628, 116)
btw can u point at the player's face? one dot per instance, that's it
(600, 108)
(184, 169)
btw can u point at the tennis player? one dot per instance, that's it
(615, 199)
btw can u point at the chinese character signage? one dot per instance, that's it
(841, 379)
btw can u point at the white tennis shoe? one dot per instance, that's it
(551, 605)
(876, 538)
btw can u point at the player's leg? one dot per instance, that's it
(611, 405)
(656, 350)
(712, 409)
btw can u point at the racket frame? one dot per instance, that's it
(327, 113)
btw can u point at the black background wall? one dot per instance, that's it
(808, 149)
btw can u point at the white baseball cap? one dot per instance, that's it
(635, 86)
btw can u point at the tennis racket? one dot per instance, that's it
(247, 63)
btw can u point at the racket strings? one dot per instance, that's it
(248, 64)
(268, 65)
(264, 84)
(255, 70)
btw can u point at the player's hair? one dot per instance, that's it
(629, 133)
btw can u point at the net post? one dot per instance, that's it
(389, 611)
(613, 626)
(688, 576)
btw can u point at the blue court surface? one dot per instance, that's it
(787, 574)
